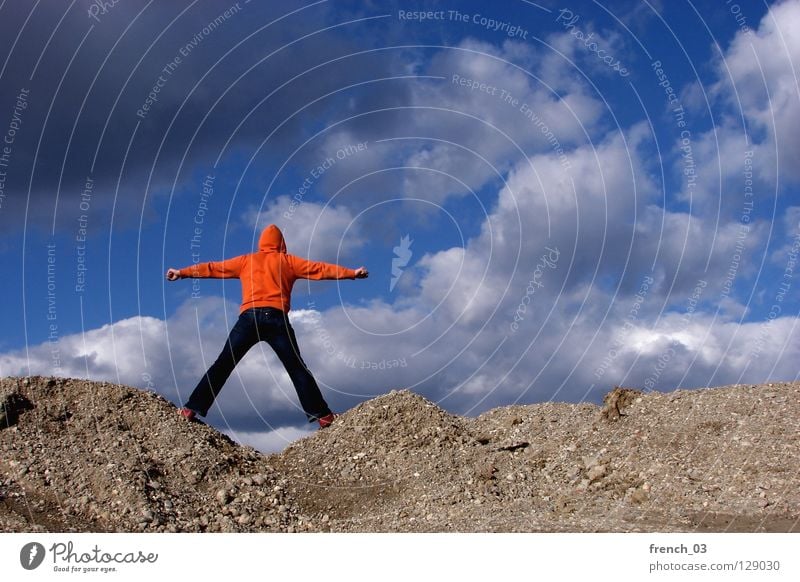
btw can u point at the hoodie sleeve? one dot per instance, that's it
(305, 269)
(229, 269)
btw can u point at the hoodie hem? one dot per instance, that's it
(244, 307)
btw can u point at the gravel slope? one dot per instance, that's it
(86, 456)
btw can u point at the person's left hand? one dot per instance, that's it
(173, 274)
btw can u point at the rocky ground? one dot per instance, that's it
(86, 456)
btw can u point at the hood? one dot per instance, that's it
(271, 240)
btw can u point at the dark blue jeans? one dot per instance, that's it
(254, 325)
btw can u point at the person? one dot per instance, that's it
(267, 278)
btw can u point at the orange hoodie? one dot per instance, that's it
(268, 275)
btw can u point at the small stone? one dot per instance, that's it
(223, 497)
(244, 519)
(326, 518)
(596, 472)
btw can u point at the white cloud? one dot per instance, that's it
(459, 138)
(757, 83)
(762, 66)
(321, 232)
(708, 351)
(451, 341)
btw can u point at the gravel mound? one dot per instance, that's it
(84, 456)
(87, 456)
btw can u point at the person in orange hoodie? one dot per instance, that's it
(267, 278)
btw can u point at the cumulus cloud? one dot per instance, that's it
(759, 78)
(453, 334)
(319, 231)
(755, 96)
(477, 111)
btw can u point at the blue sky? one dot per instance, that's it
(595, 194)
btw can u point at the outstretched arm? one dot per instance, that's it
(317, 270)
(229, 269)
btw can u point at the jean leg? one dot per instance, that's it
(242, 337)
(283, 341)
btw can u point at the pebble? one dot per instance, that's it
(596, 472)
(590, 461)
(244, 519)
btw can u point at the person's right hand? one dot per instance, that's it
(362, 273)
(173, 274)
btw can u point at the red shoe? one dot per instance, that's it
(326, 421)
(187, 413)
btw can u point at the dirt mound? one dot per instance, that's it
(375, 458)
(86, 456)
(90, 456)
